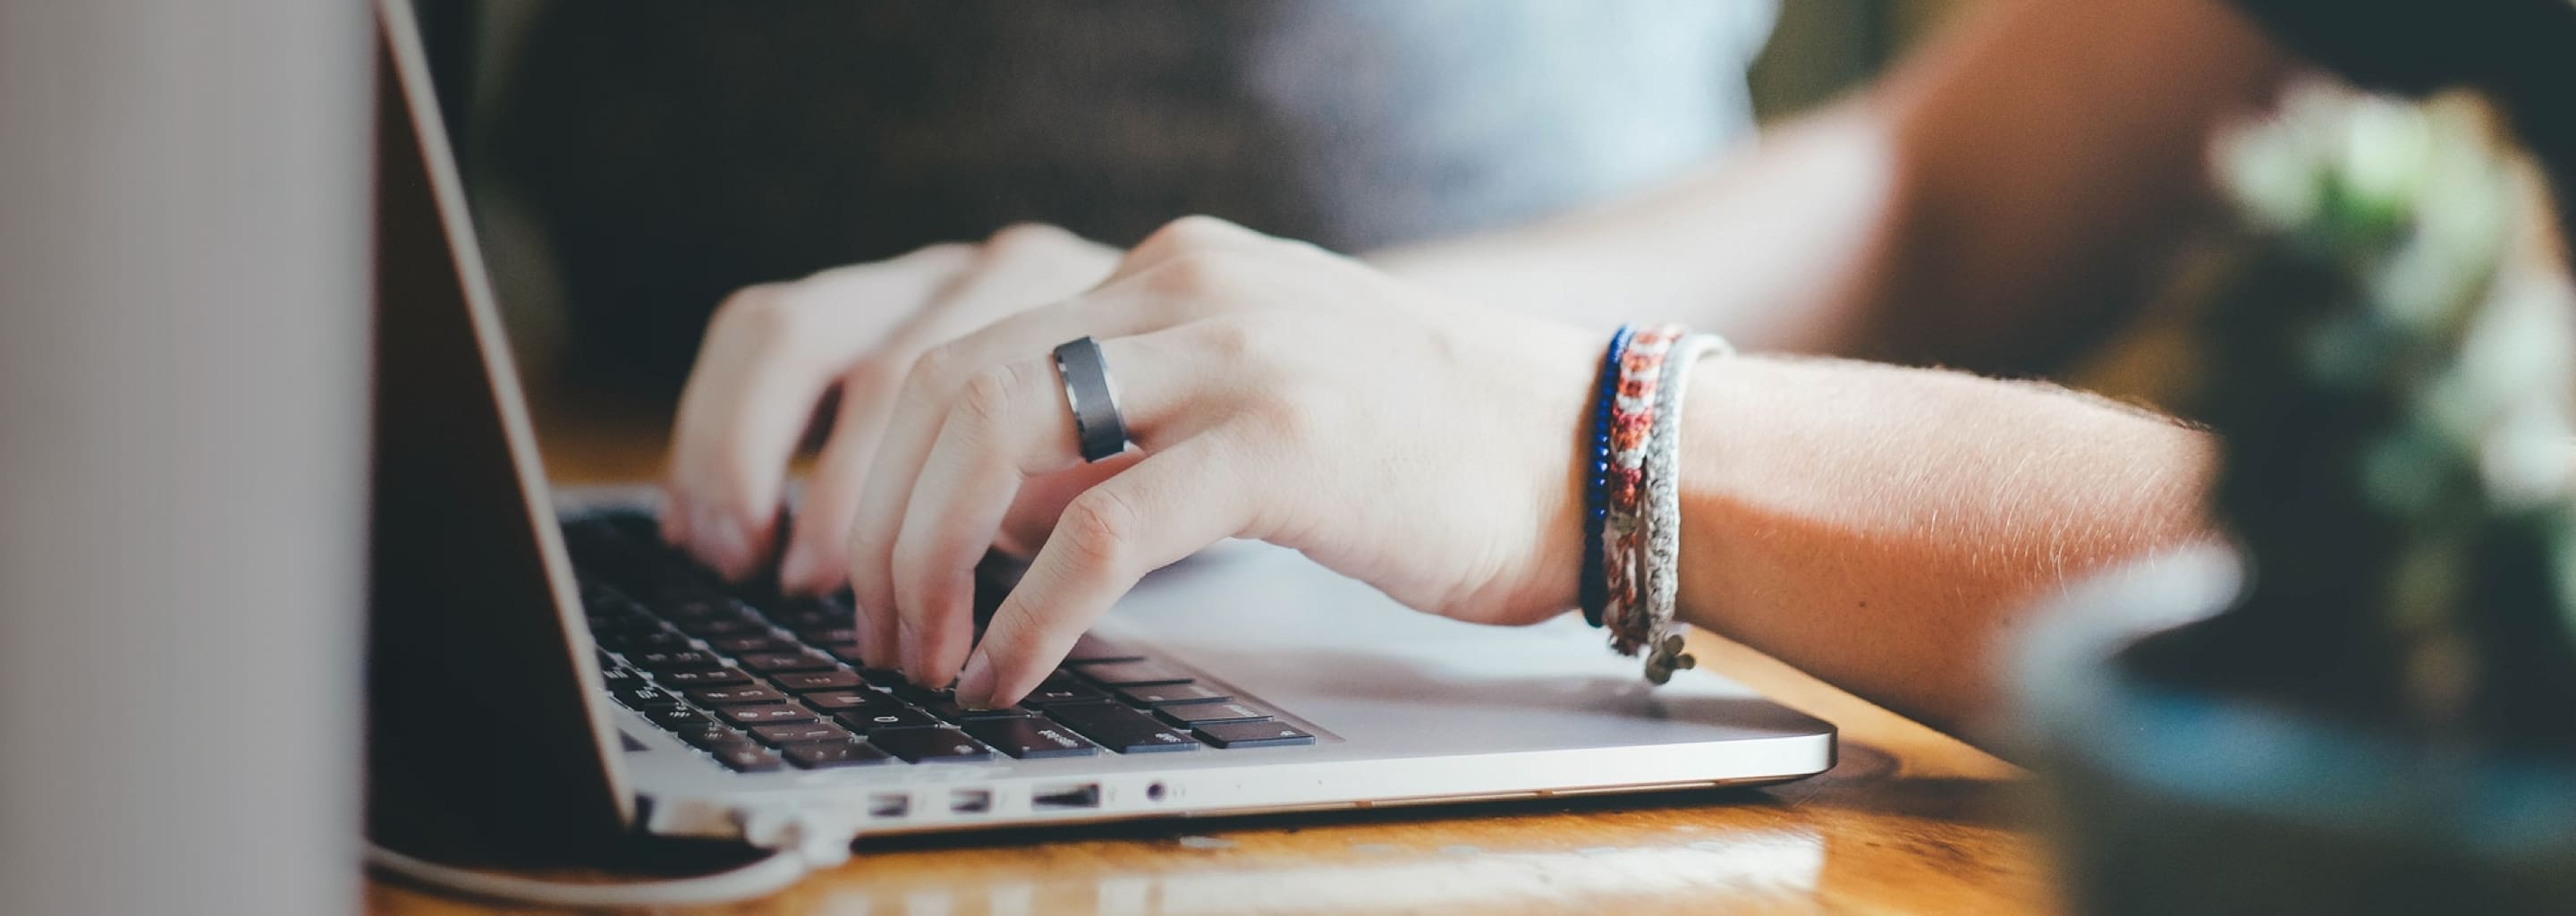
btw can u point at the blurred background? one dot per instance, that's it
(631, 164)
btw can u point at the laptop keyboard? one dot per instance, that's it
(763, 683)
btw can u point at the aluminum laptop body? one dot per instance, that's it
(486, 690)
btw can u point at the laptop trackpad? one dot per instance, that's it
(1339, 653)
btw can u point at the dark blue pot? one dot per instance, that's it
(2173, 800)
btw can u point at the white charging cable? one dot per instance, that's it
(799, 843)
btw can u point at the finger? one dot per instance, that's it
(1187, 237)
(1043, 498)
(770, 354)
(818, 539)
(932, 388)
(1009, 424)
(1018, 267)
(1171, 504)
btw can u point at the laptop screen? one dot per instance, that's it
(479, 660)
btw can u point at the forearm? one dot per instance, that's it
(1989, 204)
(1768, 246)
(1881, 527)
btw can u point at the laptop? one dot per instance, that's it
(543, 666)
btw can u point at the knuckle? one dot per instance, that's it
(985, 402)
(1020, 240)
(1190, 233)
(1298, 412)
(750, 305)
(768, 316)
(1096, 527)
(1231, 341)
(933, 368)
(1193, 274)
(1200, 229)
(876, 374)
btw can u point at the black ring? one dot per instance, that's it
(1097, 423)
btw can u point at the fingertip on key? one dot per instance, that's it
(722, 542)
(975, 685)
(800, 573)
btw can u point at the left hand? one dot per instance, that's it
(1273, 391)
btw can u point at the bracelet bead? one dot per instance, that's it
(1593, 590)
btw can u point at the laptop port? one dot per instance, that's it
(970, 801)
(1065, 797)
(889, 805)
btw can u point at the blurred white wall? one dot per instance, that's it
(183, 337)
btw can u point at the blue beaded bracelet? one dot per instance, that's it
(1594, 592)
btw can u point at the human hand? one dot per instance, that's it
(1275, 391)
(774, 351)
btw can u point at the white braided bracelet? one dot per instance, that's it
(1661, 635)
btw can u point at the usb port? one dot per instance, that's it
(970, 801)
(1065, 797)
(891, 805)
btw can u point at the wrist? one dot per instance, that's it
(1722, 428)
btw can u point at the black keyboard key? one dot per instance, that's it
(655, 640)
(618, 676)
(679, 603)
(777, 662)
(1160, 694)
(735, 695)
(1095, 649)
(1253, 734)
(885, 677)
(845, 651)
(828, 756)
(839, 634)
(644, 698)
(1131, 674)
(811, 681)
(1030, 738)
(870, 719)
(1121, 729)
(946, 707)
(810, 620)
(930, 745)
(604, 626)
(1063, 688)
(671, 658)
(745, 757)
(1193, 715)
(738, 645)
(708, 735)
(715, 627)
(701, 677)
(675, 718)
(861, 698)
(802, 733)
(763, 715)
(914, 693)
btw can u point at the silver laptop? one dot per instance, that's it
(542, 666)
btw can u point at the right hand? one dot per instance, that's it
(773, 352)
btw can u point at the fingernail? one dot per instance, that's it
(721, 542)
(796, 572)
(975, 687)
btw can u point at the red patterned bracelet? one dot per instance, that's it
(1632, 421)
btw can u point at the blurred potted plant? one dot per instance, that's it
(2380, 716)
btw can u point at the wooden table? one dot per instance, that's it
(1911, 821)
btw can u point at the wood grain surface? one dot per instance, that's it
(1909, 821)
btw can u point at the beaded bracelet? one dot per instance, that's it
(1594, 590)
